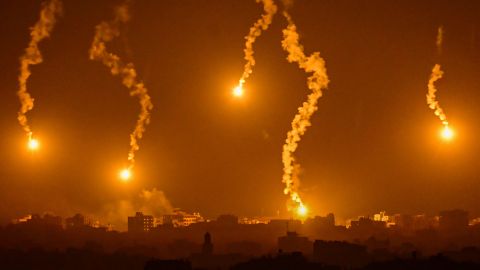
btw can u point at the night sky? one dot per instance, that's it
(373, 145)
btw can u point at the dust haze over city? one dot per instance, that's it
(138, 107)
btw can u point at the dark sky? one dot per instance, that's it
(373, 145)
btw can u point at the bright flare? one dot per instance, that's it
(125, 175)
(33, 144)
(447, 133)
(238, 91)
(302, 210)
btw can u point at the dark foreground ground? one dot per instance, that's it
(90, 259)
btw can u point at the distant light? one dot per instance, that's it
(302, 210)
(125, 175)
(238, 91)
(33, 144)
(447, 133)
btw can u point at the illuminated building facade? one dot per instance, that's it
(140, 223)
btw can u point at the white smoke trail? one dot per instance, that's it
(439, 41)
(105, 32)
(255, 31)
(436, 75)
(317, 81)
(432, 102)
(41, 30)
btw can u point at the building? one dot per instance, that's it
(23, 219)
(227, 220)
(208, 260)
(255, 220)
(285, 224)
(475, 221)
(292, 242)
(207, 247)
(412, 223)
(367, 222)
(321, 222)
(52, 220)
(180, 219)
(189, 219)
(453, 220)
(343, 254)
(78, 220)
(140, 223)
(47, 219)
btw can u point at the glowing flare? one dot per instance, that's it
(33, 144)
(302, 210)
(33, 56)
(237, 91)
(447, 133)
(316, 82)
(125, 175)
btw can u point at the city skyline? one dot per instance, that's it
(228, 241)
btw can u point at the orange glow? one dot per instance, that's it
(33, 144)
(302, 210)
(238, 91)
(447, 133)
(125, 175)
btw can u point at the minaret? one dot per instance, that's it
(207, 248)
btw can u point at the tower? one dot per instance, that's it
(207, 247)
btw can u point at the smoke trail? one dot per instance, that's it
(255, 31)
(432, 102)
(33, 56)
(437, 74)
(105, 32)
(316, 82)
(439, 41)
